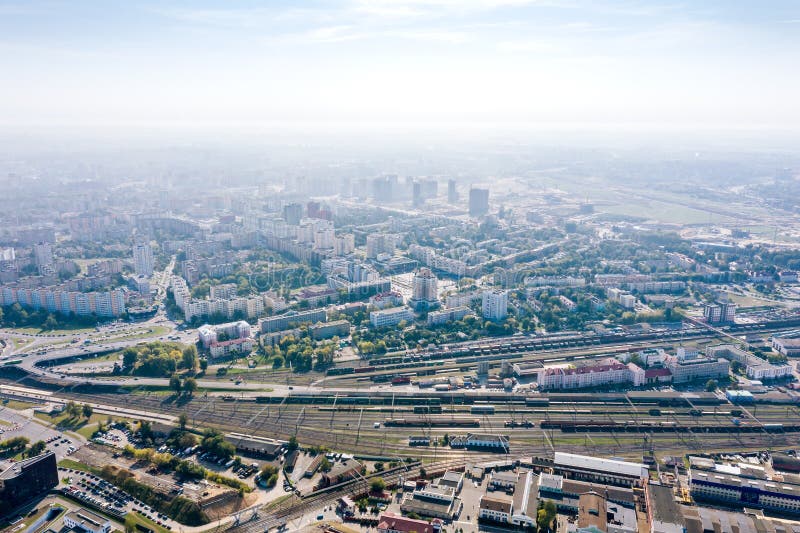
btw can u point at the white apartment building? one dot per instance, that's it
(143, 259)
(495, 305)
(390, 317)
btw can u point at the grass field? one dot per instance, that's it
(18, 405)
(75, 465)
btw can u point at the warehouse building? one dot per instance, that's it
(599, 470)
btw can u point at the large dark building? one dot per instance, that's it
(25, 479)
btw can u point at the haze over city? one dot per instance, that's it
(413, 266)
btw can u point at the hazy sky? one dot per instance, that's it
(713, 63)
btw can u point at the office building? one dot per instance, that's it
(495, 305)
(27, 478)
(696, 367)
(85, 520)
(738, 491)
(478, 202)
(143, 259)
(755, 367)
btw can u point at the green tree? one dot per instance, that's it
(293, 445)
(130, 523)
(183, 418)
(38, 447)
(377, 484)
(711, 385)
(87, 410)
(203, 364)
(129, 357)
(189, 357)
(189, 386)
(175, 384)
(545, 516)
(277, 362)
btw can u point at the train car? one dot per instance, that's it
(482, 410)
(427, 409)
(341, 371)
(432, 422)
(537, 401)
(401, 380)
(363, 369)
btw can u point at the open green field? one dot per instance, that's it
(18, 405)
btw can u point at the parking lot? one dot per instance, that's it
(22, 425)
(97, 492)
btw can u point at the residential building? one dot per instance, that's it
(478, 202)
(437, 318)
(424, 290)
(293, 213)
(224, 291)
(390, 317)
(326, 330)
(223, 348)
(43, 257)
(786, 346)
(59, 299)
(720, 313)
(291, 319)
(384, 300)
(84, 520)
(452, 192)
(495, 305)
(143, 259)
(208, 335)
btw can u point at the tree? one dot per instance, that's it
(175, 384)
(189, 357)
(183, 418)
(87, 410)
(711, 385)
(71, 409)
(129, 356)
(379, 466)
(203, 364)
(277, 362)
(377, 484)
(189, 386)
(545, 516)
(130, 523)
(38, 447)
(293, 445)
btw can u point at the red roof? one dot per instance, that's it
(657, 372)
(395, 522)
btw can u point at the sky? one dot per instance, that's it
(721, 64)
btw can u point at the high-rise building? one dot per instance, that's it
(424, 289)
(292, 214)
(378, 243)
(478, 202)
(452, 193)
(43, 257)
(418, 200)
(143, 259)
(495, 304)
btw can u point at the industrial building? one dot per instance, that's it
(599, 470)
